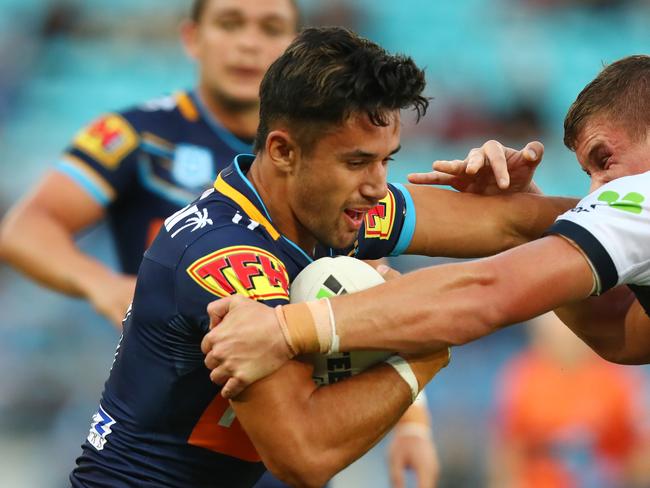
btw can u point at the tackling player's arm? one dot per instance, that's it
(456, 303)
(500, 207)
(307, 434)
(37, 238)
(614, 325)
(436, 307)
(465, 225)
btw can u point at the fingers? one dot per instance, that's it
(496, 155)
(425, 476)
(218, 309)
(453, 167)
(387, 272)
(533, 152)
(431, 178)
(396, 469)
(233, 387)
(220, 375)
(475, 160)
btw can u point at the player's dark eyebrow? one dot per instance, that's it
(358, 153)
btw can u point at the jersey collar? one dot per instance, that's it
(233, 184)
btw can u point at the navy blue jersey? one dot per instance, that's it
(145, 163)
(161, 421)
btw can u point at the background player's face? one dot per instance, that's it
(235, 41)
(606, 151)
(342, 178)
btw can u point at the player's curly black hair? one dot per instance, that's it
(620, 92)
(330, 73)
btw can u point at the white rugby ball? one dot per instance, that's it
(328, 277)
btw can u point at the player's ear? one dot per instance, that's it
(282, 150)
(189, 37)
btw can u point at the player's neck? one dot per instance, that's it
(241, 119)
(273, 190)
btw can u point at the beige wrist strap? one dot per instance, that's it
(308, 327)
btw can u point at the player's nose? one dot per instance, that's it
(375, 186)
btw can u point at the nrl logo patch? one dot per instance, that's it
(379, 220)
(243, 270)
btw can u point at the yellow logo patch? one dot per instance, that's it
(107, 140)
(243, 270)
(379, 220)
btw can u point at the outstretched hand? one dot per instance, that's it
(488, 170)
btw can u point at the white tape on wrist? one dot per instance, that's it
(334, 344)
(403, 368)
(421, 399)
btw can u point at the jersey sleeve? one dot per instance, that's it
(227, 261)
(102, 157)
(388, 228)
(612, 228)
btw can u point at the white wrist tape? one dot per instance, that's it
(421, 399)
(403, 368)
(334, 343)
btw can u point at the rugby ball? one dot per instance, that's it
(329, 277)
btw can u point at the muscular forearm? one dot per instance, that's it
(614, 325)
(467, 225)
(38, 246)
(308, 434)
(457, 303)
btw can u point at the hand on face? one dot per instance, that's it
(488, 170)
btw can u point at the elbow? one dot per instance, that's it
(299, 459)
(299, 468)
(618, 356)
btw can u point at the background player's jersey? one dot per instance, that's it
(161, 421)
(612, 227)
(145, 163)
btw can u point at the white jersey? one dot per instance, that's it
(612, 227)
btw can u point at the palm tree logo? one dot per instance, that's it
(199, 220)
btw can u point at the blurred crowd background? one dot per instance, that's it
(503, 69)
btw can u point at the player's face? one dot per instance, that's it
(342, 178)
(236, 41)
(606, 151)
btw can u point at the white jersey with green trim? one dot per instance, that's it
(612, 227)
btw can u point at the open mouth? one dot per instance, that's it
(356, 216)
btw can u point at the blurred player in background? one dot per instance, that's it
(565, 417)
(136, 167)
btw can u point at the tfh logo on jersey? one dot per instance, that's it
(108, 140)
(380, 219)
(244, 270)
